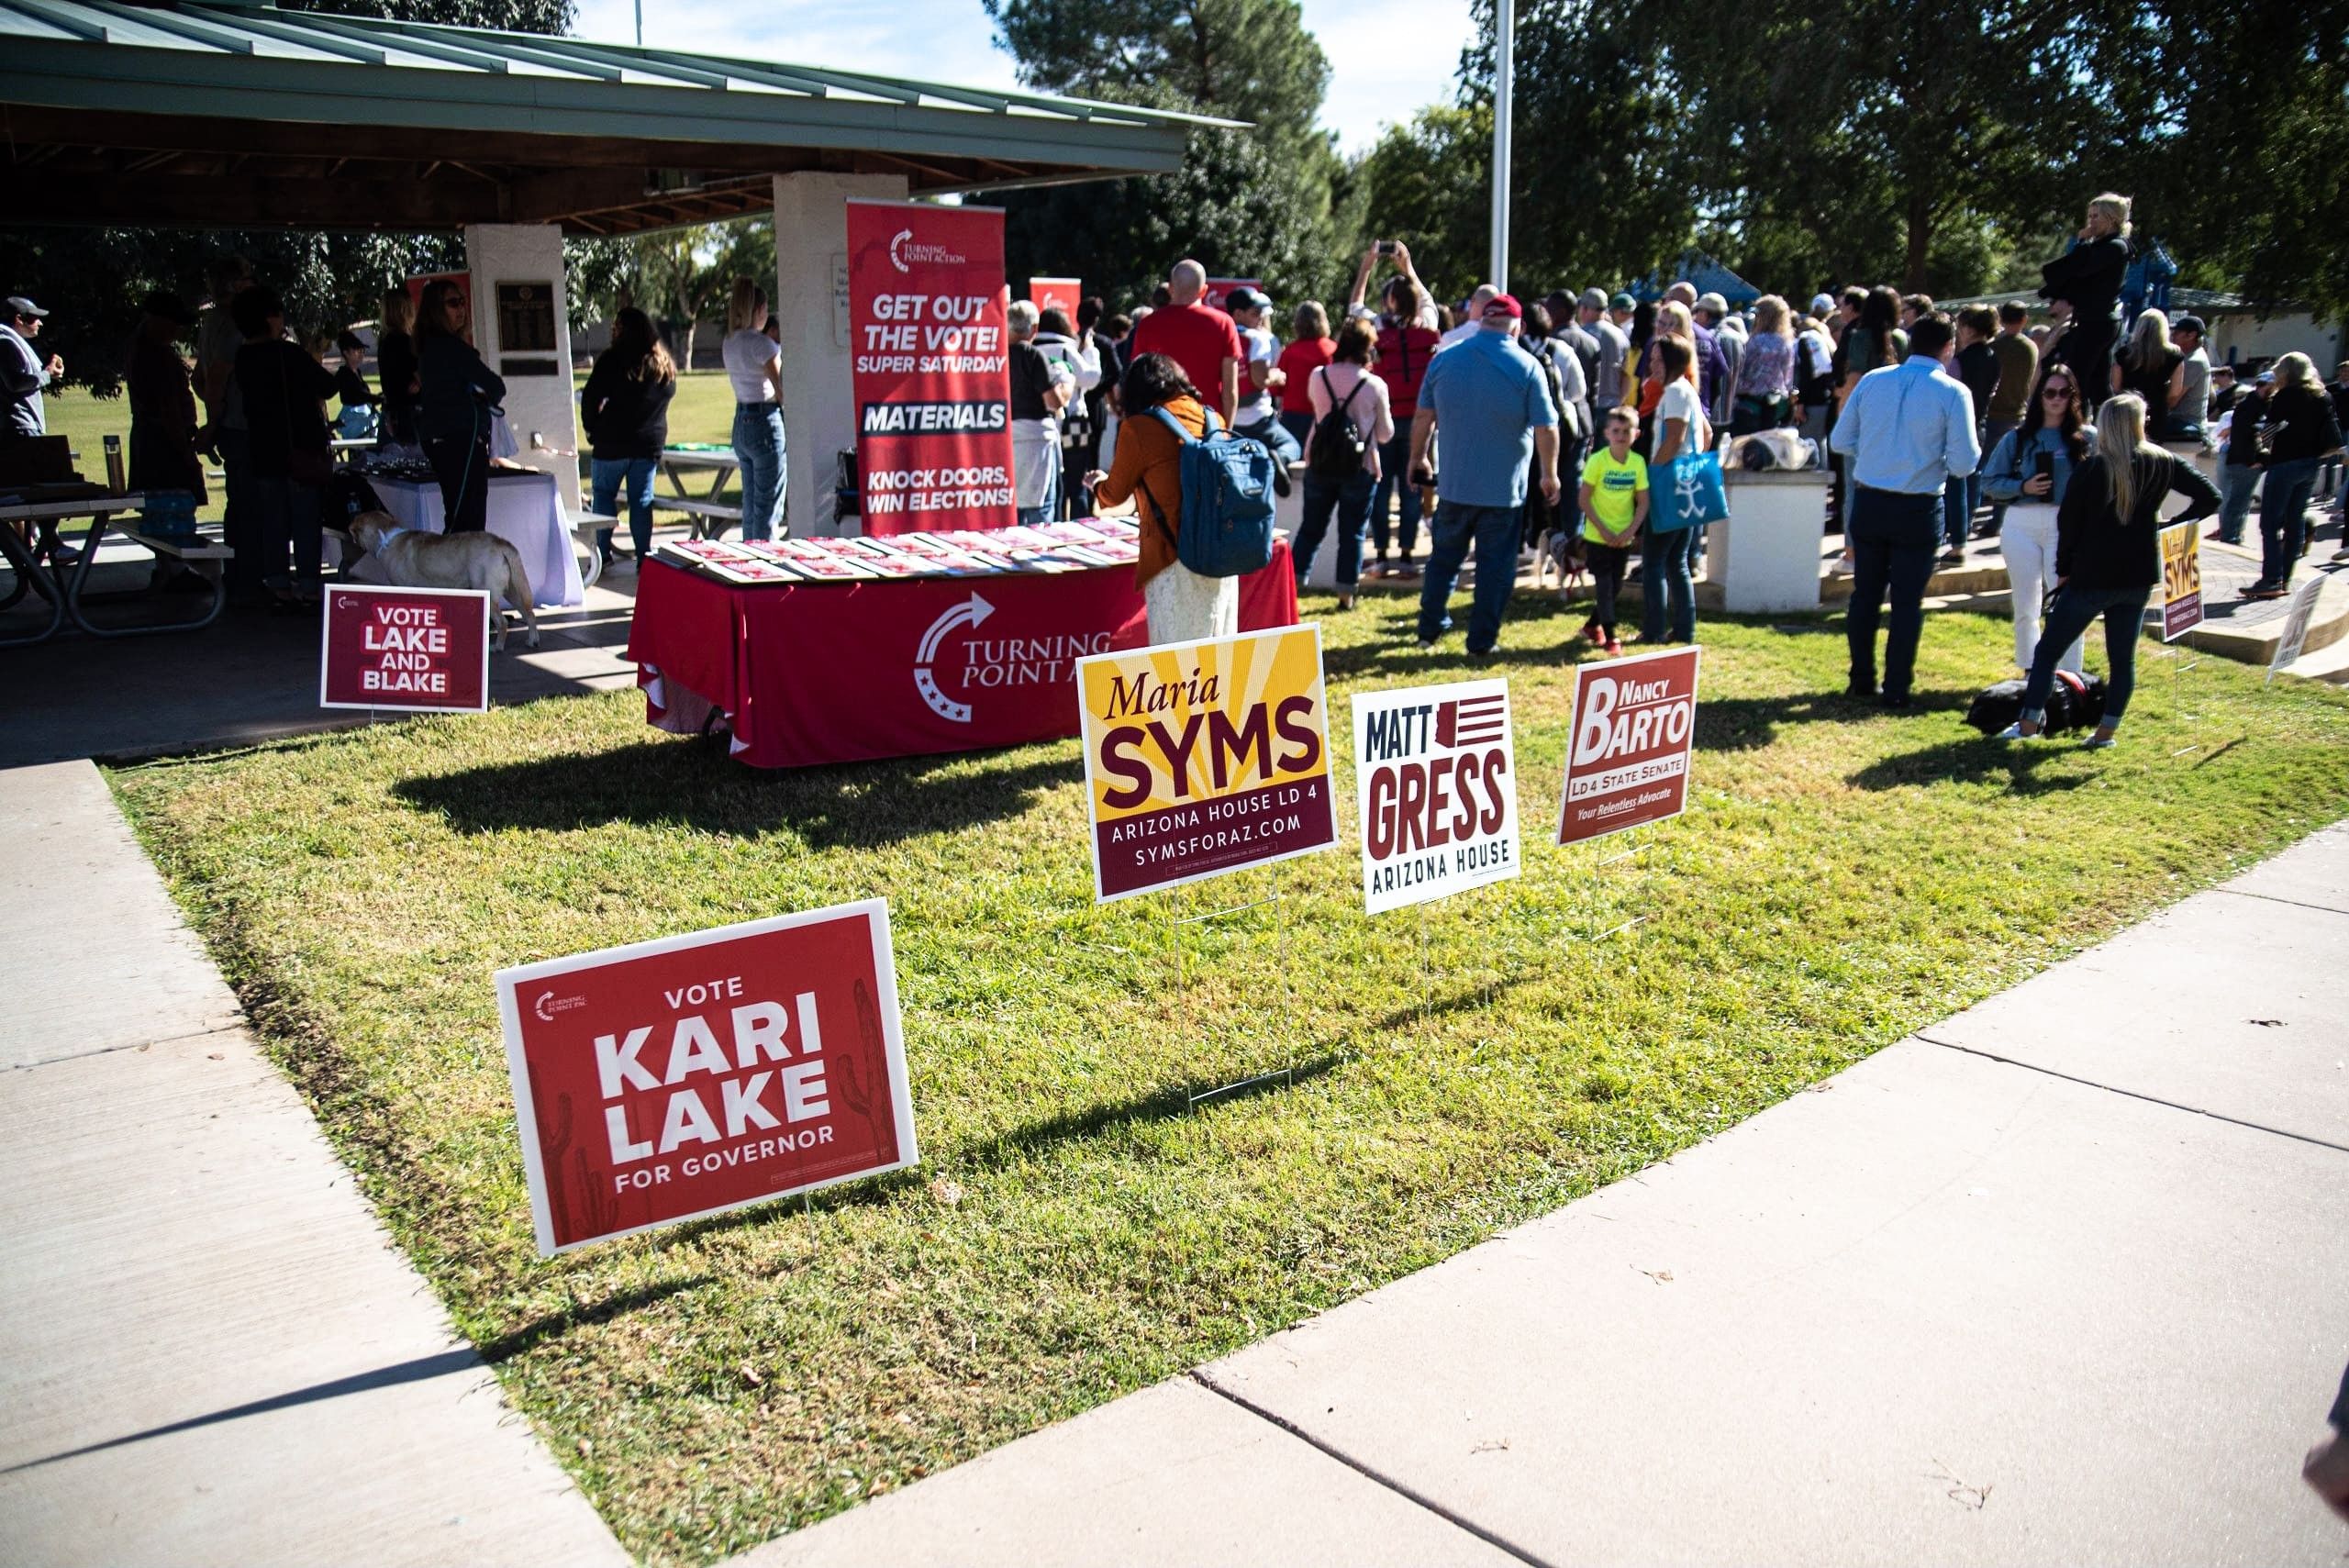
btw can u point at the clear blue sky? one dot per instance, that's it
(1386, 57)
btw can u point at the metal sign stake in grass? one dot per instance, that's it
(1202, 759)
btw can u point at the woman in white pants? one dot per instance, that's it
(2028, 471)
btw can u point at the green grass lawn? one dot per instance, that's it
(1842, 877)
(703, 411)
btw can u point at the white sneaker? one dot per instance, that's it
(2015, 732)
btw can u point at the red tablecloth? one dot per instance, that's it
(837, 673)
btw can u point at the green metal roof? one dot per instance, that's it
(200, 77)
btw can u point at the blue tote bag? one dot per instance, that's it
(1693, 493)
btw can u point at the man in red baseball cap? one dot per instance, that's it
(1491, 404)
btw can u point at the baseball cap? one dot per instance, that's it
(1622, 302)
(1593, 299)
(1821, 304)
(1245, 298)
(2188, 324)
(19, 306)
(1713, 303)
(169, 306)
(2265, 377)
(1504, 305)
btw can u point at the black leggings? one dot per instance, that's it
(1607, 563)
(461, 465)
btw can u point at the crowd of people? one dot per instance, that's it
(1503, 424)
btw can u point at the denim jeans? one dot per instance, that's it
(1958, 498)
(2236, 482)
(1667, 586)
(607, 475)
(759, 447)
(1351, 502)
(1394, 480)
(2283, 517)
(1274, 436)
(1991, 432)
(1493, 531)
(2074, 611)
(1299, 427)
(1607, 563)
(1893, 537)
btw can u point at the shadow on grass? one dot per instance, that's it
(1158, 1104)
(1976, 760)
(508, 1345)
(666, 782)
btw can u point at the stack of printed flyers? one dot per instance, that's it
(1054, 547)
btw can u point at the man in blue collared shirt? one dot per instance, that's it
(1906, 431)
(1487, 403)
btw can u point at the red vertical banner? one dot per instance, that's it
(1056, 294)
(931, 367)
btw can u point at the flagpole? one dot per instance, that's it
(1504, 75)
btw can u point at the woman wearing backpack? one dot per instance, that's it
(1183, 605)
(1351, 420)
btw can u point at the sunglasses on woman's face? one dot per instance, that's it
(2055, 393)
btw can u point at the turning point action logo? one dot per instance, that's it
(992, 662)
(904, 252)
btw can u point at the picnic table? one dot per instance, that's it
(710, 516)
(64, 584)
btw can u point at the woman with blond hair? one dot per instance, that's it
(2152, 367)
(754, 366)
(1765, 371)
(2297, 430)
(2108, 557)
(2088, 277)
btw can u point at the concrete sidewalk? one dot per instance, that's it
(2063, 1279)
(210, 1352)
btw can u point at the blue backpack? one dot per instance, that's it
(1226, 529)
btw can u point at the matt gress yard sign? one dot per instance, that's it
(425, 649)
(694, 1074)
(1437, 784)
(1627, 759)
(1202, 758)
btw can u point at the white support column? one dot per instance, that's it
(540, 406)
(811, 301)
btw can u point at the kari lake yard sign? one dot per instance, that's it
(690, 1075)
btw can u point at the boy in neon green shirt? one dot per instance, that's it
(1614, 506)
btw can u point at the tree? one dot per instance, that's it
(2230, 125)
(505, 16)
(1425, 184)
(1254, 203)
(1249, 59)
(92, 279)
(1603, 185)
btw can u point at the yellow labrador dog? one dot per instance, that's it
(482, 561)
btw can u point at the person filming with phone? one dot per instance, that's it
(2028, 471)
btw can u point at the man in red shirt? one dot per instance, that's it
(1199, 337)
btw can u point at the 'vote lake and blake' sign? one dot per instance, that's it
(1203, 758)
(694, 1074)
(1627, 756)
(425, 649)
(1435, 776)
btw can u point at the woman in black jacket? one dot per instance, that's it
(2088, 277)
(396, 365)
(2297, 430)
(2109, 556)
(625, 409)
(457, 394)
(288, 446)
